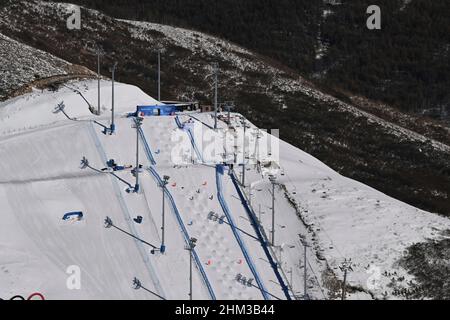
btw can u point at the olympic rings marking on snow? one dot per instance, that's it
(30, 297)
(36, 294)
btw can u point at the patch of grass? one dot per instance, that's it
(429, 262)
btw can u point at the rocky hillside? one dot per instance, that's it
(405, 64)
(23, 65)
(411, 165)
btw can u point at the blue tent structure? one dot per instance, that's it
(73, 215)
(158, 110)
(165, 109)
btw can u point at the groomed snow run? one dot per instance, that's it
(41, 180)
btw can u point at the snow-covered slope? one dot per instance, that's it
(344, 135)
(41, 180)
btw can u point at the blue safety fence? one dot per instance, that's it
(226, 210)
(255, 224)
(191, 138)
(155, 174)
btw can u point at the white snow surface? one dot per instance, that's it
(41, 179)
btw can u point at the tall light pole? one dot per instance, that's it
(243, 151)
(230, 105)
(345, 267)
(216, 83)
(190, 247)
(273, 181)
(110, 224)
(159, 75)
(257, 156)
(138, 122)
(163, 220)
(113, 126)
(138, 285)
(98, 79)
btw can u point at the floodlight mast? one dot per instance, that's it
(98, 80)
(345, 267)
(190, 275)
(230, 105)
(244, 123)
(273, 181)
(138, 122)
(108, 224)
(216, 80)
(113, 125)
(138, 285)
(163, 227)
(190, 247)
(159, 75)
